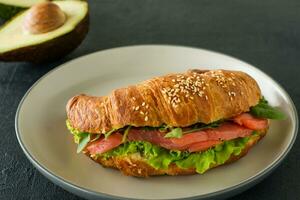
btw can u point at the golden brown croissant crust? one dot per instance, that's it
(177, 100)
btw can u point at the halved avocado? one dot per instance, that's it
(9, 8)
(18, 45)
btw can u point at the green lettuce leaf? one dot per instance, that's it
(80, 138)
(174, 133)
(160, 158)
(200, 126)
(107, 134)
(178, 132)
(84, 140)
(124, 138)
(264, 110)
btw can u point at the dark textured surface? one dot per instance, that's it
(263, 33)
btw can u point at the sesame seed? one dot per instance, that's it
(173, 80)
(147, 106)
(134, 98)
(146, 118)
(137, 108)
(206, 97)
(143, 104)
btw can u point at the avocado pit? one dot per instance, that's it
(44, 17)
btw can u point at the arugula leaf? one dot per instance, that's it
(148, 128)
(125, 134)
(264, 110)
(84, 140)
(204, 126)
(164, 128)
(174, 133)
(107, 134)
(96, 138)
(177, 132)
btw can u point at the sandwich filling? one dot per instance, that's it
(198, 146)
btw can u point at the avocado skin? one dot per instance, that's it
(7, 11)
(52, 49)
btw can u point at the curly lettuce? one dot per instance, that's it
(160, 158)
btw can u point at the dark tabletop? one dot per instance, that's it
(263, 33)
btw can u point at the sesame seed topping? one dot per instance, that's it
(137, 108)
(133, 98)
(146, 118)
(143, 104)
(185, 86)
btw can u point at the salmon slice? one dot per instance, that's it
(249, 121)
(241, 126)
(103, 145)
(201, 146)
(226, 131)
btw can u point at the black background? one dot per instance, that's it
(263, 33)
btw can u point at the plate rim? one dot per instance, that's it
(57, 180)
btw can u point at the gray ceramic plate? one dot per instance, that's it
(41, 131)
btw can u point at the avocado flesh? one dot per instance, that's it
(17, 44)
(9, 8)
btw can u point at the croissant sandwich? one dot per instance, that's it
(176, 124)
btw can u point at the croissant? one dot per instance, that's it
(177, 100)
(176, 124)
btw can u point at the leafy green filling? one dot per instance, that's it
(179, 132)
(80, 138)
(160, 158)
(264, 110)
